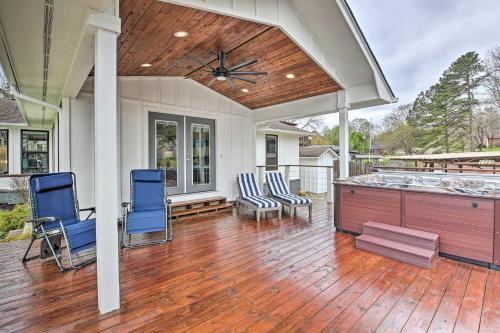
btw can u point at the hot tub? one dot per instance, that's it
(463, 209)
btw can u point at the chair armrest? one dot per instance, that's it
(125, 204)
(92, 209)
(42, 220)
(168, 202)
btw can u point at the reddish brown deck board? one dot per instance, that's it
(229, 273)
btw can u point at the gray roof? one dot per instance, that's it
(9, 112)
(314, 151)
(282, 126)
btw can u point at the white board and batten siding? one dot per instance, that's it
(235, 130)
(314, 179)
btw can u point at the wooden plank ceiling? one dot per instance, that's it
(148, 28)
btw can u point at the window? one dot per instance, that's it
(34, 151)
(271, 152)
(4, 151)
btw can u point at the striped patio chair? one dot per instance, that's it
(251, 196)
(280, 192)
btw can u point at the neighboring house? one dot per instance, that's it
(314, 178)
(494, 142)
(23, 149)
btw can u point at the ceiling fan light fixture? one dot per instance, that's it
(146, 65)
(181, 34)
(221, 78)
(290, 76)
(245, 90)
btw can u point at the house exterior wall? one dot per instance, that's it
(235, 131)
(14, 148)
(288, 150)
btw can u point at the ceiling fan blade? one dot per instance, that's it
(248, 73)
(243, 79)
(243, 64)
(222, 58)
(230, 81)
(199, 61)
(211, 81)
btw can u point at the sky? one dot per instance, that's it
(416, 40)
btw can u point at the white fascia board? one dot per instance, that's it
(277, 131)
(306, 107)
(278, 13)
(83, 58)
(384, 90)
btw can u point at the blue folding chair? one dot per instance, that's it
(251, 197)
(149, 210)
(55, 212)
(280, 192)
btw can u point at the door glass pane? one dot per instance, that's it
(201, 153)
(166, 150)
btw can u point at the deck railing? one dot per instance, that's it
(314, 181)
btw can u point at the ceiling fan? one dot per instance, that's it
(221, 73)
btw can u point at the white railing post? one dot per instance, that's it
(329, 185)
(287, 175)
(260, 177)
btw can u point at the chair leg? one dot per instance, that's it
(310, 211)
(25, 258)
(279, 214)
(294, 211)
(58, 261)
(257, 213)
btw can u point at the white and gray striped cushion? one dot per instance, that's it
(250, 192)
(278, 189)
(262, 202)
(293, 199)
(276, 183)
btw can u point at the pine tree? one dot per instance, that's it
(466, 74)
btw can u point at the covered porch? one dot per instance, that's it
(98, 72)
(227, 273)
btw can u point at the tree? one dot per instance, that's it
(466, 74)
(361, 125)
(309, 124)
(487, 124)
(332, 135)
(358, 142)
(398, 133)
(492, 77)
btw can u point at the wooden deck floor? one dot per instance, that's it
(227, 273)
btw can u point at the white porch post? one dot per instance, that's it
(344, 136)
(106, 178)
(64, 136)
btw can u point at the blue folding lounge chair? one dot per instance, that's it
(149, 209)
(280, 192)
(55, 211)
(251, 196)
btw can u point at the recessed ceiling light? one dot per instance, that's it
(290, 76)
(181, 34)
(146, 65)
(245, 90)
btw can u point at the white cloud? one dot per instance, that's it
(416, 40)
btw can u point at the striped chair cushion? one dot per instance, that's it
(276, 183)
(262, 202)
(293, 199)
(248, 185)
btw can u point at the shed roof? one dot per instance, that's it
(315, 151)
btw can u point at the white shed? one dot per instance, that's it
(313, 177)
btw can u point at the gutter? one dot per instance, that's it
(15, 93)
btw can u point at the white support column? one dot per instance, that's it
(329, 185)
(287, 175)
(64, 135)
(343, 136)
(106, 178)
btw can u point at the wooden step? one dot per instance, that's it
(395, 250)
(203, 209)
(422, 239)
